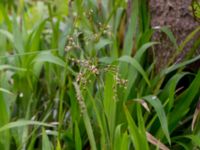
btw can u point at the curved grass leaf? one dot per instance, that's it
(155, 102)
(171, 36)
(142, 49)
(184, 101)
(188, 38)
(177, 66)
(48, 57)
(136, 65)
(169, 90)
(20, 123)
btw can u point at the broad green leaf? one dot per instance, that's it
(155, 102)
(48, 57)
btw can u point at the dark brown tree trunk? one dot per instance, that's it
(176, 15)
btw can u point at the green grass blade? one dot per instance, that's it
(170, 35)
(177, 66)
(46, 144)
(169, 90)
(20, 123)
(89, 130)
(184, 101)
(132, 29)
(109, 101)
(78, 142)
(142, 49)
(137, 137)
(35, 36)
(117, 137)
(87, 121)
(137, 66)
(142, 129)
(48, 57)
(155, 102)
(188, 38)
(125, 141)
(133, 129)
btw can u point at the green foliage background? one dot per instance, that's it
(77, 75)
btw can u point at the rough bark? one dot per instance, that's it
(176, 15)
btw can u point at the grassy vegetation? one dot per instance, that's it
(77, 75)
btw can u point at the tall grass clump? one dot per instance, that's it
(77, 75)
